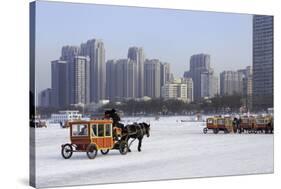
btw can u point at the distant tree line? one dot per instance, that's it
(159, 106)
(218, 104)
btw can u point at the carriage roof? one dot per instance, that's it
(93, 121)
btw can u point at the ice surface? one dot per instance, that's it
(175, 149)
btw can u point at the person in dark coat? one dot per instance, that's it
(115, 118)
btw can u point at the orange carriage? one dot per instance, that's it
(92, 136)
(219, 124)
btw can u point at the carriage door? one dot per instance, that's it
(108, 141)
(100, 135)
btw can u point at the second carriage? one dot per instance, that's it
(218, 123)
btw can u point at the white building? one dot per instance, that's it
(178, 89)
(79, 80)
(63, 116)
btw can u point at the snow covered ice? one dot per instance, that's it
(174, 150)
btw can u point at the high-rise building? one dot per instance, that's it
(79, 83)
(137, 55)
(247, 87)
(45, 98)
(111, 82)
(165, 73)
(189, 84)
(230, 83)
(94, 48)
(125, 79)
(204, 80)
(209, 84)
(262, 62)
(238, 82)
(68, 54)
(59, 80)
(152, 78)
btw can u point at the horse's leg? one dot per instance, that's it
(129, 150)
(139, 146)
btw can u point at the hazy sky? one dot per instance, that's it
(169, 35)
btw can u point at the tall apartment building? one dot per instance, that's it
(152, 78)
(204, 80)
(111, 82)
(121, 79)
(230, 83)
(126, 79)
(189, 83)
(209, 84)
(59, 80)
(165, 73)
(136, 54)
(94, 49)
(262, 62)
(79, 83)
(68, 53)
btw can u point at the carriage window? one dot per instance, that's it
(94, 129)
(108, 130)
(210, 121)
(244, 121)
(260, 121)
(100, 130)
(220, 121)
(79, 130)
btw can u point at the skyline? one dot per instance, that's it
(226, 37)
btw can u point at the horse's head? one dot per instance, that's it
(147, 128)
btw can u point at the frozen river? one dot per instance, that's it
(175, 149)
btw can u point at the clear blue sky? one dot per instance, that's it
(169, 35)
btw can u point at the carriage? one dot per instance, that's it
(263, 123)
(92, 136)
(217, 124)
(246, 123)
(40, 124)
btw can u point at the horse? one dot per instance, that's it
(137, 131)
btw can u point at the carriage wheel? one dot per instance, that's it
(91, 151)
(205, 130)
(104, 152)
(215, 131)
(123, 147)
(66, 151)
